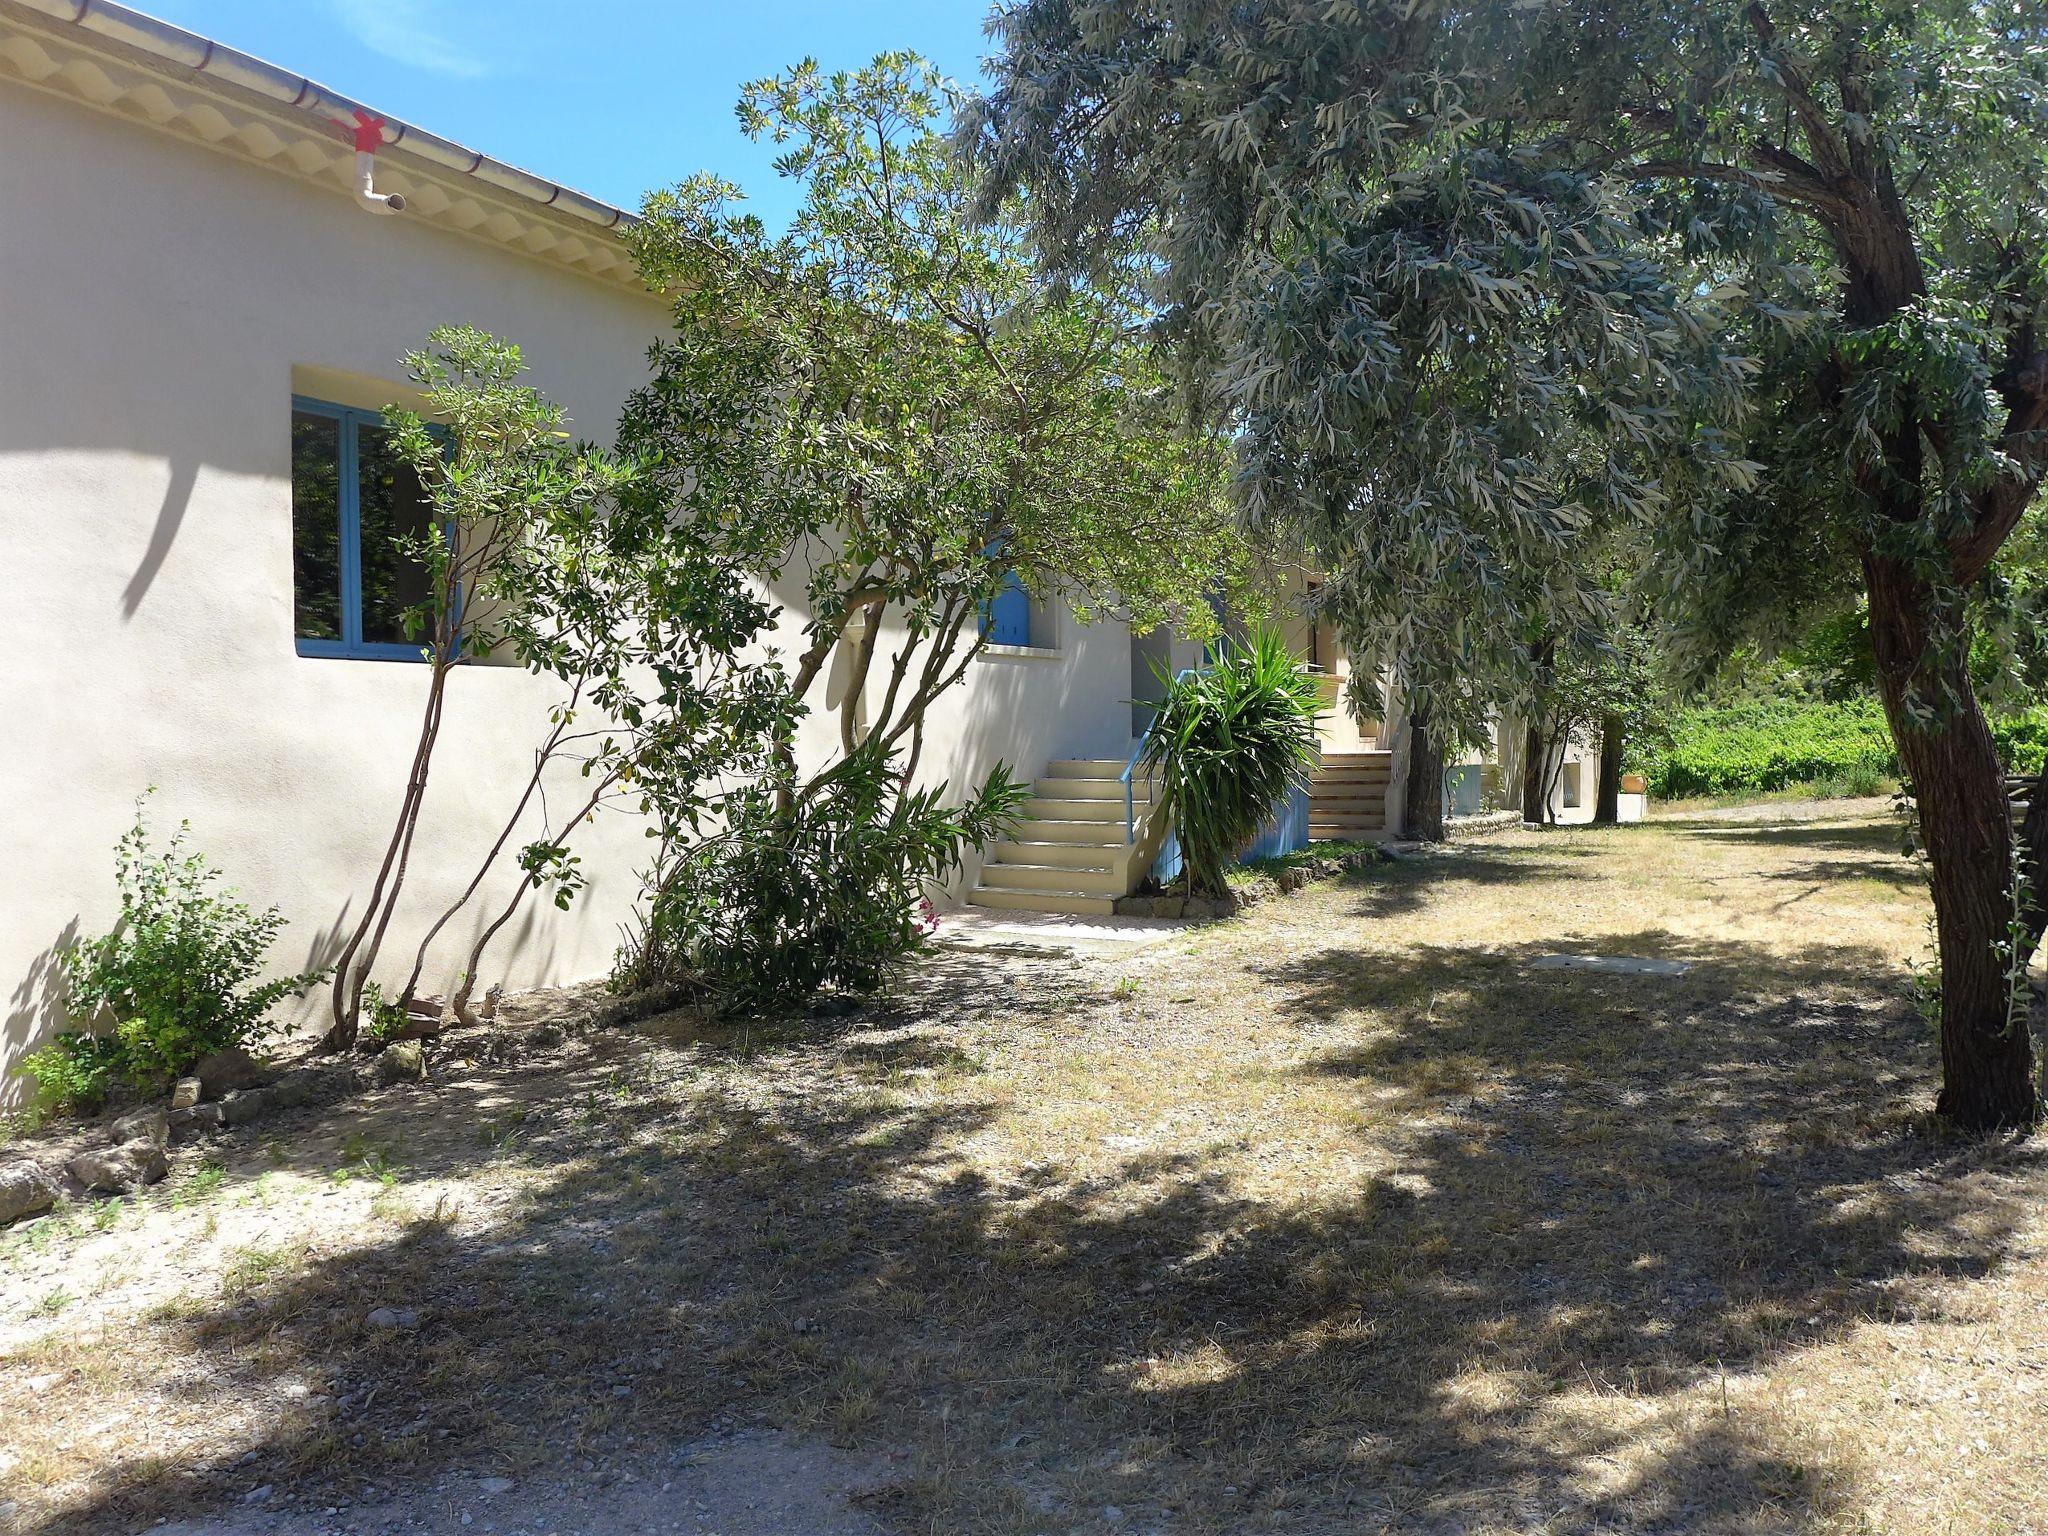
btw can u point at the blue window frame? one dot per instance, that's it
(353, 498)
(1006, 617)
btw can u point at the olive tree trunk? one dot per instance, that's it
(1535, 755)
(1958, 788)
(1422, 801)
(1607, 804)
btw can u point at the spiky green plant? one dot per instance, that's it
(1229, 742)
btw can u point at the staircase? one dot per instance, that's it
(1348, 796)
(1071, 854)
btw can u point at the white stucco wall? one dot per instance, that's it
(155, 301)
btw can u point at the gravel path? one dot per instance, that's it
(753, 1484)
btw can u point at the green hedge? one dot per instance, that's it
(2023, 739)
(1758, 746)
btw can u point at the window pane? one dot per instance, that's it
(1007, 619)
(394, 508)
(316, 526)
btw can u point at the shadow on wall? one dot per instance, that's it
(1512, 1323)
(36, 1009)
(169, 518)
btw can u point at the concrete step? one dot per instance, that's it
(1071, 903)
(1044, 808)
(1053, 877)
(1358, 759)
(1102, 856)
(1093, 789)
(1094, 831)
(1344, 831)
(1085, 768)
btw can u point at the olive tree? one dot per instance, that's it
(892, 400)
(1765, 283)
(891, 409)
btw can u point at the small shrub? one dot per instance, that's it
(1228, 743)
(828, 891)
(176, 975)
(2022, 739)
(383, 1019)
(73, 1072)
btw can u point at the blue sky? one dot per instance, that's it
(612, 97)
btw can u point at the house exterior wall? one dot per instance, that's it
(158, 304)
(1581, 755)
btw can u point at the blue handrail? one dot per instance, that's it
(1130, 810)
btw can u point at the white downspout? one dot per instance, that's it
(367, 194)
(367, 133)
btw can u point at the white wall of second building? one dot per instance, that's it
(1067, 695)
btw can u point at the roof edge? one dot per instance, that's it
(204, 56)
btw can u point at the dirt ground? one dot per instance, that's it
(1342, 1216)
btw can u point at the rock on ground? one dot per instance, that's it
(228, 1070)
(120, 1170)
(25, 1190)
(400, 1063)
(152, 1124)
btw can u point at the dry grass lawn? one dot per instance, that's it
(1339, 1217)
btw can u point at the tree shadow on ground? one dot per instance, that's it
(1866, 835)
(1410, 881)
(1580, 1199)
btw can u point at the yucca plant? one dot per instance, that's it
(1229, 742)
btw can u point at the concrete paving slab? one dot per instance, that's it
(1612, 965)
(977, 927)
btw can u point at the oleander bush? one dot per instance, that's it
(817, 889)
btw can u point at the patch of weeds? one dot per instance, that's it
(41, 1235)
(182, 1308)
(361, 1160)
(247, 1268)
(853, 1396)
(1126, 988)
(105, 1213)
(50, 1303)
(389, 1204)
(502, 1135)
(202, 1185)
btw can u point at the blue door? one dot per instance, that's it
(1007, 619)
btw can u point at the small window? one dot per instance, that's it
(354, 503)
(1006, 619)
